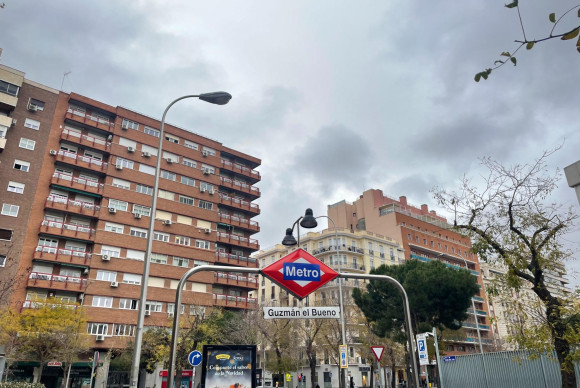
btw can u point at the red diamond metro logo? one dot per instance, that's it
(299, 273)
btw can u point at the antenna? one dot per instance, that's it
(63, 77)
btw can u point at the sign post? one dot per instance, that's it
(378, 352)
(343, 356)
(423, 354)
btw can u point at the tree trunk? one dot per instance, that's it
(39, 375)
(341, 376)
(312, 363)
(372, 382)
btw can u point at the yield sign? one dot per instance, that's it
(300, 273)
(378, 351)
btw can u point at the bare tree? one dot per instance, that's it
(511, 222)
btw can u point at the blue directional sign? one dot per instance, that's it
(449, 359)
(194, 358)
(421, 343)
(422, 349)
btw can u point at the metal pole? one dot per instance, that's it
(177, 311)
(438, 360)
(147, 259)
(95, 355)
(477, 328)
(410, 335)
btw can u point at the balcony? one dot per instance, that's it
(85, 140)
(68, 181)
(81, 161)
(59, 282)
(39, 303)
(82, 117)
(240, 222)
(71, 206)
(239, 186)
(236, 280)
(481, 313)
(228, 258)
(240, 169)
(67, 230)
(478, 299)
(234, 301)
(472, 326)
(68, 256)
(239, 203)
(340, 248)
(237, 240)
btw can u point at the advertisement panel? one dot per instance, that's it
(228, 366)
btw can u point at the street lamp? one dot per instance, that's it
(218, 98)
(309, 221)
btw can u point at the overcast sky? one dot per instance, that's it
(335, 97)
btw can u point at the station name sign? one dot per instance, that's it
(301, 312)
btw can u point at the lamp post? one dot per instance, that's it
(218, 98)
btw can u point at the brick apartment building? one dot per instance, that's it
(425, 236)
(77, 178)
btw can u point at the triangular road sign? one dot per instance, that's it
(378, 351)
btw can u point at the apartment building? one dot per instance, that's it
(344, 251)
(425, 236)
(77, 177)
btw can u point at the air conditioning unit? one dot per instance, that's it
(147, 313)
(210, 191)
(167, 222)
(146, 154)
(137, 215)
(207, 231)
(125, 126)
(14, 121)
(85, 271)
(53, 152)
(105, 258)
(130, 149)
(206, 171)
(169, 160)
(119, 167)
(112, 210)
(114, 284)
(100, 337)
(202, 189)
(32, 108)
(204, 153)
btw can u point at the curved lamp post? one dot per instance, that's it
(218, 98)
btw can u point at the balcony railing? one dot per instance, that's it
(234, 301)
(235, 220)
(240, 168)
(91, 141)
(231, 278)
(237, 240)
(232, 258)
(241, 186)
(333, 249)
(68, 281)
(75, 229)
(87, 161)
(239, 203)
(472, 326)
(63, 254)
(69, 204)
(76, 182)
(83, 117)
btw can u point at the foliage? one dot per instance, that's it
(507, 57)
(441, 301)
(512, 224)
(21, 384)
(9, 328)
(10, 276)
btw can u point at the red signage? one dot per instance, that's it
(54, 363)
(378, 352)
(300, 273)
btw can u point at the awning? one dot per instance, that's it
(66, 188)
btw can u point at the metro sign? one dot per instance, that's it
(300, 273)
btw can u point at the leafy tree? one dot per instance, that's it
(51, 330)
(555, 32)
(511, 223)
(309, 330)
(9, 328)
(10, 277)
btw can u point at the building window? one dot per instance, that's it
(124, 163)
(188, 181)
(32, 124)
(124, 330)
(102, 301)
(158, 236)
(128, 124)
(204, 186)
(205, 205)
(155, 307)
(8, 88)
(122, 184)
(142, 210)
(202, 244)
(110, 251)
(186, 200)
(172, 139)
(189, 163)
(106, 276)
(115, 228)
(129, 278)
(183, 240)
(144, 189)
(128, 304)
(209, 151)
(21, 165)
(147, 169)
(159, 258)
(10, 210)
(191, 145)
(409, 236)
(36, 103)
(137, 232)
(151, 131)
(119, 205)
(166, 195)
(97, 328)
(2, 260)
(168, 175)
(27, 144)
(209, 169)
(181, 262)
(16, 187)
(5, 234)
